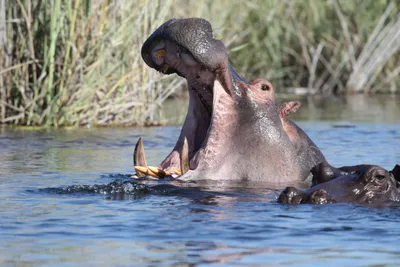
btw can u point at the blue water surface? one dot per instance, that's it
(232, 226)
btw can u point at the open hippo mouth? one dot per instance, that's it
(233, 130)
(187, 47)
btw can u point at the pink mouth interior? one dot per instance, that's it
(201, 85)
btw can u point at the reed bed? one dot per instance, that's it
(77, 62)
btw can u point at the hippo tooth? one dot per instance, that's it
(185, 156)
(159, 172)
(177, 171)
(165, 68)
(144, 171)
(160, 53)
(139, 158)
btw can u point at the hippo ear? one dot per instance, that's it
(323, 172)
(396, 172)
(288, 107)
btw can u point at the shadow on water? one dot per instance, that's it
(206, 192)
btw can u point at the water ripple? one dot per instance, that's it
(57, 192)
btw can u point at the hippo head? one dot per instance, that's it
(187, 47)
(230, 123)
(368, 184)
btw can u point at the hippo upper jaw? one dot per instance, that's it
(186, 47)
(191, 40)
(193, 34)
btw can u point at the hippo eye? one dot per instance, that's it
(265, 87)
(379, 177)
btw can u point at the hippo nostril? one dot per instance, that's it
(197, 76)
(288, 195)
(265, 87)
(319, 197)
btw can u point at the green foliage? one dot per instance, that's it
(65, 62)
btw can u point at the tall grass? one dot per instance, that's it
(327, 46)
(77, 62)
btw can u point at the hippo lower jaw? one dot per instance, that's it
(243, 142)
(216, 143)
(209, 122)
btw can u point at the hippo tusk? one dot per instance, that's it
(139, 158)
(185, 157)
(140, 164)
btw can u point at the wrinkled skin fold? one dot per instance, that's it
(361, 184)
(234, 129)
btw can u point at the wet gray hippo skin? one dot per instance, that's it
(308, 153)
(234, 129)
(363, 184)
(324, 172)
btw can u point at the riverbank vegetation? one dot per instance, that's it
(77, 62)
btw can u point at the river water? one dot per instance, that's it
(41, 224)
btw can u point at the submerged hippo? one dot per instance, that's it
(233, 130)
(325, 172)
(362, 184)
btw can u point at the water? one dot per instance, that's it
(230, 226)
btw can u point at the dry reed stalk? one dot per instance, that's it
(2, 58)
(383, 43)
(344, 24)
(316, 54)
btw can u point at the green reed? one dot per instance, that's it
(65, 62)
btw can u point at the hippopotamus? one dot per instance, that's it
(233, 129)
(325, 172)
(361, 184)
